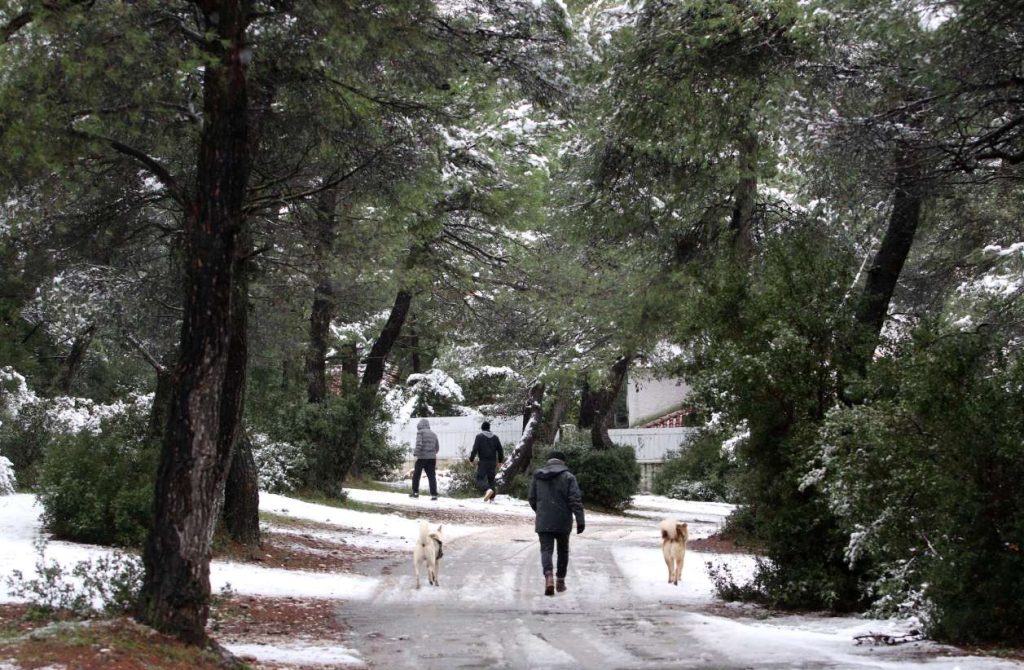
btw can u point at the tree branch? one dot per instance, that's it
(151, 164)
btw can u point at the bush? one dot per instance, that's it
(8, 482)
(281, 465)
(98, 488)
(105, 585)
(608, 478)
(703, 471)
(926, 483)
(377, 458)
(463, 478)
(24, 442)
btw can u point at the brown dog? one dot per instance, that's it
(673, 545)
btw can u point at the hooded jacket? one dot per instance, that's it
(426, 441)
(555, 497)
(488, 447)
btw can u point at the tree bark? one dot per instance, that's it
(161, 404)
(549, 431)
(319, 330)
(206, 398)
(586, 419)
(744, 199)
(75, 358)
(523, 452)
(376, 361)
(414, 348)
(382, 346)
(350, 359)
(242, 495)
(884, 273)
(604, 403)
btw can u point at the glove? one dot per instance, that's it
(579, 528)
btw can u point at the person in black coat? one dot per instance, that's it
(487, 449)
(555, 497)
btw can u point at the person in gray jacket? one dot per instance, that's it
(555, 497)
(425, 453)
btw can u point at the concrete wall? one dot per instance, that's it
(648, 398)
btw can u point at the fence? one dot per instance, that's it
(652, 445)
(456, 434)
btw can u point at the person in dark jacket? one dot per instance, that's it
(425, 453)
(486, 448)
(555, 497)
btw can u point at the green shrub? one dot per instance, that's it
(608, 478)
(281, 465)
(106, 585)
(463, 478)
(24, 442)
(926, 483)
(520, 487)
(378, 459)
(701, 471)
(98, 488)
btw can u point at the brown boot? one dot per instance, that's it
(560, 584)
(549, 584)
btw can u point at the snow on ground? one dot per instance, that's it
(647, 573)
(277, 582)
(299, 654)
(20, 528)
(704, 518)
(782, 642)
(504, 504)
(754, 640)
(391, 531)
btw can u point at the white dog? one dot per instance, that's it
(673, 545)
(428, 550)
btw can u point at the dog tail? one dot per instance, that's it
(424, 532)
(673, 531)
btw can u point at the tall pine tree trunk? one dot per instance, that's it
(377, 359)
(604, 402)
(373, 374)
(241, 511)
(319, 330)
(206, 399)
(522, 454)
(586, 417)
(242, 495)
(884, 272)
(75, 358)
(559, 408)
(744, 199)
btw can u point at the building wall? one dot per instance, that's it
(648, 397)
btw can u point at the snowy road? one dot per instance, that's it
(489, 612)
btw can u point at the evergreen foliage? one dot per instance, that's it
(924, 482)
(704, 470)
(608, 478)
(98, 487)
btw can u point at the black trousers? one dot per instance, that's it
(428, 465)
(486, 471)
(547, 548)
